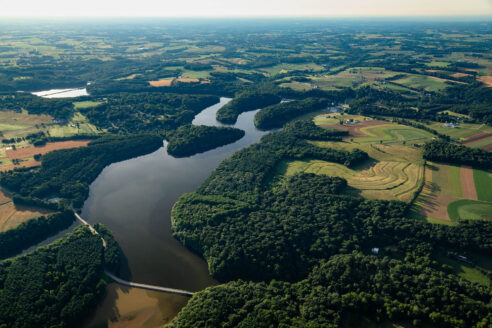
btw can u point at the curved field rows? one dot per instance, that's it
(384, 180)
(393, 133)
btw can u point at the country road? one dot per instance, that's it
(130, 283)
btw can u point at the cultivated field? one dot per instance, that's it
(25, 154)
(452, 193)
(11, 216)
(368, 130)
(14, 125)
(393, 172)
(469, 134)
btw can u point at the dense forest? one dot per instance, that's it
(55, 286)
(140, 112)
(442, 151)
(352, 290)
(68, 172)
(300, 250)
(243, 102)
(249, 227)
(277, 115)
(33, 231)
(188, 140)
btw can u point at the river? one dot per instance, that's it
(133, 199)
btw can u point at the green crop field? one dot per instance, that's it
(394, 171)
(466, 209)
(455, 181)
(86, 104)
(425, 82)
(394, 133)
(483, 185)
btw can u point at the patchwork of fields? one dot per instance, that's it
(452, 193)
(469, 134)
(394, 171)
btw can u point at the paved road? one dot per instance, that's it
(129, 283)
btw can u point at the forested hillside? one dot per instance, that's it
(188, 140)
(69, 172)
(54, 286)
(352, 290)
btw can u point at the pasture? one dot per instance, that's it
(15, 125)
(423, 82)
(393, 134)
(470, 134)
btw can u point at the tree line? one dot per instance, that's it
(188, 140)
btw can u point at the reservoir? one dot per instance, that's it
(62, 93)
(133, 199)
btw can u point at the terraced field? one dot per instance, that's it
(393, 172)
(382, 180)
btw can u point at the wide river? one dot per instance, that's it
(134, 198)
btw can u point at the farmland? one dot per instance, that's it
(11, 215)
(288, 218)
(452, 193)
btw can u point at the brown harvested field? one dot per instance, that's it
(8, 167)
(488, 147)
(477, 136)
(436, 201)
(11, 216)
(458, 75)
(468, 184)
(161, 83)
(188, 80)
(487, 80)
(31, 151)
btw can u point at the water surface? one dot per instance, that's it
(134, 198)
(62, 93)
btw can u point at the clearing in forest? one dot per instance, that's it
(11, 216)
(162, 83)
(28, 152)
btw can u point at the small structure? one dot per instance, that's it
(375, 250)
(463, 258)
(451, 125)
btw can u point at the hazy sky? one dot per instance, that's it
(228, 8)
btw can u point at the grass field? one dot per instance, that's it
(79, 124)
(465, 270)
(394, 133)
(352, 77)
(483, 185)
(86, 104)
(424, 82)
(14, 125)
(283, 68)
(465, 209)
